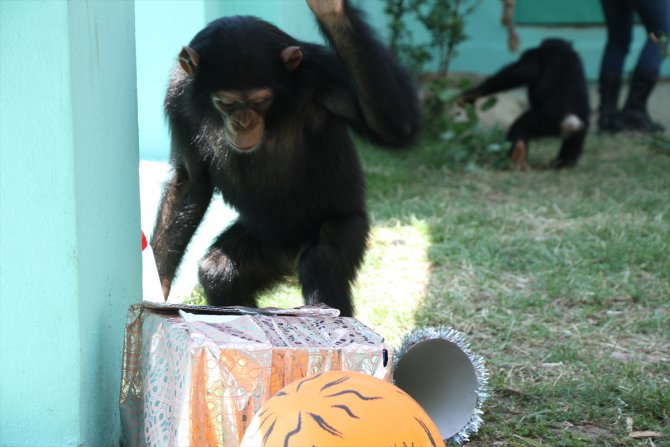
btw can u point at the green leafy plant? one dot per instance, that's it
(443, 20)
(450, 127)
(401, 41)
(457, 130)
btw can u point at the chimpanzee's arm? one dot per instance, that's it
(184, 203)
(386, 102)
(511, 76)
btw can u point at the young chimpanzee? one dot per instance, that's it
(558, 96)
(264, 119)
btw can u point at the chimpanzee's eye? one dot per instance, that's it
(226, 101)
(222, 102)
(260, 97)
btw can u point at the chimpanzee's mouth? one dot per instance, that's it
(247, 141)
(245, 148)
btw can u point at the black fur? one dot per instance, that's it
(300, 193)
(554, 76)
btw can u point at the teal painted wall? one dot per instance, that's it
(38, 256)
(162, 28)
(69, 218)
(292, 16)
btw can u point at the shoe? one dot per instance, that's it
(634, 114)
(609, 85)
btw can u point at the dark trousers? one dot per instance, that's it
(655, 16)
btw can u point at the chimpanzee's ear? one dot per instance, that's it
(291, 57)
(189, 59)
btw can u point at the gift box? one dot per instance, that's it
(195, 376)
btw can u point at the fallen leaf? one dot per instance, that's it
(629, 424)
(644, 434)
(552, 365)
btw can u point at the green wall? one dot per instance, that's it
(69, 218)
(39, 328)
(162, 28)
(292, 16)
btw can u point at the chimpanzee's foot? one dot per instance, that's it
(518, 155)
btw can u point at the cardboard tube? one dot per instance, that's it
(439, 371)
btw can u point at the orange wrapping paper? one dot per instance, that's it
(194, 383)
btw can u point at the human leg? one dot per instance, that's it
(655, 15)
(619, 20)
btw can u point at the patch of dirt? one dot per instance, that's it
(589, 432)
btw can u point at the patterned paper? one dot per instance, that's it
(196, 383)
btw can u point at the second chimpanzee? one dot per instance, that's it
(265, 119)
(558, 96)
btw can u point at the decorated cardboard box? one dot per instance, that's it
(195, 376)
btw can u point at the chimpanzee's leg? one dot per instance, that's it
(519, 154)
(518, 135)
(328, 267)
(571, 150)
(236, 268)
(531, 124)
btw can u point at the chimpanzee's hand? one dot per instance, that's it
(466, 98)
(327, 10)
(165, 284)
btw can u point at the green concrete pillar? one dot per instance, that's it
(69, 217)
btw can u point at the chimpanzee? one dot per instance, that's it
(558, 96)
(264, 119)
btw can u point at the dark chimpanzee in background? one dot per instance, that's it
(265, 119)
(558, 96)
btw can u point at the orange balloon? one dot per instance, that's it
(341, 408)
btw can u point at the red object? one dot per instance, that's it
(144, 241)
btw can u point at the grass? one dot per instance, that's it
(560, 280)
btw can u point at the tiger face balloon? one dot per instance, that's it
(341, 408)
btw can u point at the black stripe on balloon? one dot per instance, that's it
(295, 431)
(425, 428)
(356, 393)
(347, 410)
(307, 380)
(266, 436)
(325, 425)
(265, 420)
(334, 382)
